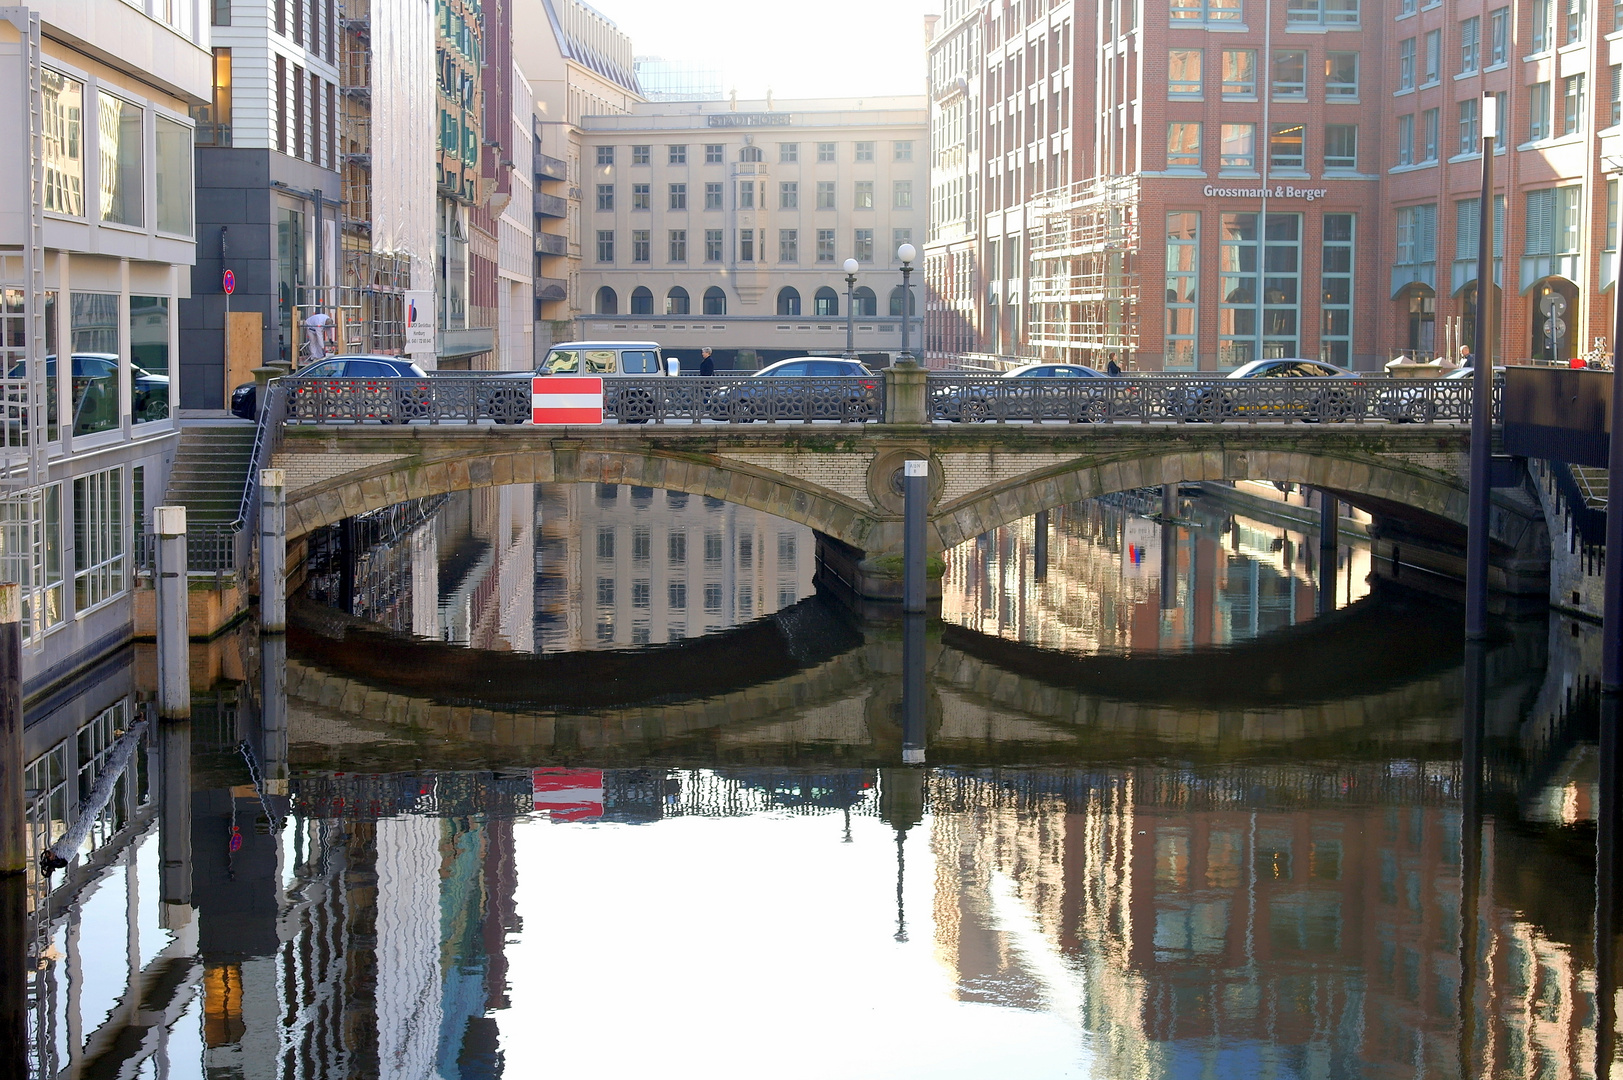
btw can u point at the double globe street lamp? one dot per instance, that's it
(850, 308)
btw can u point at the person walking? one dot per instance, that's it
(707, 366)
(1111, 367)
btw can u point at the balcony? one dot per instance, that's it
(550, 206)
(547, 289)
(550, 168)
(551, 244)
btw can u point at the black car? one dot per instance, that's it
(95, 391)
(979, 399)
(854, 398)
(245, 398)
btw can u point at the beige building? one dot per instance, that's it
(727, 223)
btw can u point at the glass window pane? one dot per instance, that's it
(119, 133)
(174, 177)
(63, 121)
(149, 357)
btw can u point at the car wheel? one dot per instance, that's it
(634, 406)
(508, 404)
(156, 408)
(1095, 412)
(1211, 407)
(1330, 407)
(1418, 411)
(974, 412)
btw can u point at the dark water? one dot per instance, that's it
(1193, 801)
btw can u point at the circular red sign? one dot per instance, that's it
(228, 282)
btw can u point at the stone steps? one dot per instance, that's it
(210, 471)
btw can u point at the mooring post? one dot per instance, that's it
(915, 493)
(1169, 501)
(1329, 520)
(174, 739)
(273, 551)
(1476, 532)
(914, 690)
(174, 676)
(1169, 565)
(1039, 554)
(13, 798)
(273, 711)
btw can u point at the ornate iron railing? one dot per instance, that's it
(972, 398)
(656, 399)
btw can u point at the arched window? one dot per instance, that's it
(607, 302)
(896, 302)
(826, 302)
(788, 301)
(750, 153)
(715, 301)
(676, 301)
(642, 301)
(864, 304)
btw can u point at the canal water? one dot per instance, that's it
(561, 780)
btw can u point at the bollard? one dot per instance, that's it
(175, 821)
(915, 492)
(1169, 501)
(174, 676)
(1039, 555)
(914, 690)
(1329, 520)
(13, 799)
(273, 551)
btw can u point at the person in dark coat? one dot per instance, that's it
(707, 366)
(1112, 368)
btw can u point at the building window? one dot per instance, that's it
(864, 304)
(788, 246)
(605, 196)
(901, 194)
(826, 304)
(1406, 64)
(898, 237)
(788, 299)
(676, 155)
(862, 244)
(1406, 139)
(605, 155)
(1498, 36)
(1239, 146)
(1239, 73)
(173, 176)
(750, 153)
(676, 301)
(1552, 221)
(1183, 276)
(679, 196)
(712, 196)
(825, 151)
(902, 150)
(825, 194)
(1290, 74)
(1538, 111)
(788, 153)
(712, 245)
(31, 555)
(640, 244)
(1468, 126)
(825, 245)
(1341, 146)
(1470, 44)
(863, 195)
(1199, 11)
(1543, 15)
(98, 538)
(1611, 215)
(746, 245)
(213, 120)
(1287, 145)
(119, 135)
(639, 155)
(712, 153)
(1467, 221)
(605, 590)
(1572, 20)
(642, 300)
(1185, 76)
(788, 195)
(746, 195)
(1341, 75)
(1183, 145)
(1417, 235)
(1336, 281)
(1572, 104)
(640, 197)
(715, 301)
(1428, 135)
(608, 301)
(1406, 7)
(1322, 12)
(1259, 306)
(864, 151)
(605, 245)
(1434, 57)
(679, 246)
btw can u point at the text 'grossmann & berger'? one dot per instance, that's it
(1281, 192)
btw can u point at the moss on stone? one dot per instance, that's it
(890, 566)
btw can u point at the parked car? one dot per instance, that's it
(972, 402)
(1315, 401)
(612, 361)
(95, 391)
(245, 398)
(764, 397)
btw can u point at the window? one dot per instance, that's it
(901, 194)
(1199, 11)
(676, 155)
(640, 243)
(1341, 75)
(898, 237)
(1239, 146)
(676, 301)
(642, 300)
(902, 150)
(712, 196)
(1322, 12)
(1183, 146)
(1434, 57)
(1498, 36)
(1183, 275)
(825, 245)
(173, 176)
(826, 304)
(31, 555)
(1239, 73)
(746, 195)
(608, 301)
(1290, 74)
(1287, 145)
(605, 196)
(639, 592)
(825, 151)
(1406, 139)
(1184, 65)
(1468, 126)
(639, 155)
(862, 245)
(750, 153)
(1428, 135)
(788, 300)
(605, 155)
(1466, 225)
(213, 120)
(1470, 44)
(640, 197)
(864, 151)
(679, 196)
(746, 245)
(1406, 7)
(789, 246)
(825, 194)
(1336, 281)
(864, 304)
(863, 195)
(1538, 111)
(605, 587)
(788, 195)
(1552, 221)
(1572, 21)
(1572, 104)
(1543, 36)
(715, 301)
(1611, 215)
(788, 153)
(119, 136)
(1406, 64)
(1617, 96)
(98, 538)
(899, 297)
(1258, 280)
(605, 245)
(712, 245)
(1341, 146)
(679, 246)
(1417, 235)
(712, 153)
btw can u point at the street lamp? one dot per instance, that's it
(907, 253)
(850, 309)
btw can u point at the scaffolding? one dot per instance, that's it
(1084, 287)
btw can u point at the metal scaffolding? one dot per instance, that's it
(1084, 253)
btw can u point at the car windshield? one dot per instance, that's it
(561, 362)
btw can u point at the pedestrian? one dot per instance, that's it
(673, 365)
(707, 366)
(1111, 367)
(1466, 359)
(316, 328)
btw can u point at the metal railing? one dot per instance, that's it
(210, 549)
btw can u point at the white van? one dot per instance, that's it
(606, 358)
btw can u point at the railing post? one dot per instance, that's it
(907, 398)
(273, 551)
(915, 493)
(13, 798)
(174, 676)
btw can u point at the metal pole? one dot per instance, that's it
(913, 690)
(174, 678)
(19, 960)
(1476, 535)
(1611, 670)
(1329, 520)
(1039, 554)
(273, 551)
(907, 294)
(273, 711)
(850, 312)
(1169, 501)
(915, 492)
(1475, 722)
(13, 797)
(175, 819)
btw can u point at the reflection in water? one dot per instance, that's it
(1118, 581)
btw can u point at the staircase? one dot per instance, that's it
(211, 471)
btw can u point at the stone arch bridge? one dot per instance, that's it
(843, 482)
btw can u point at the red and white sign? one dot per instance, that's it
(568, 794)
(566, 399)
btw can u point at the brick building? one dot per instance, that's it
(1224, 180)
